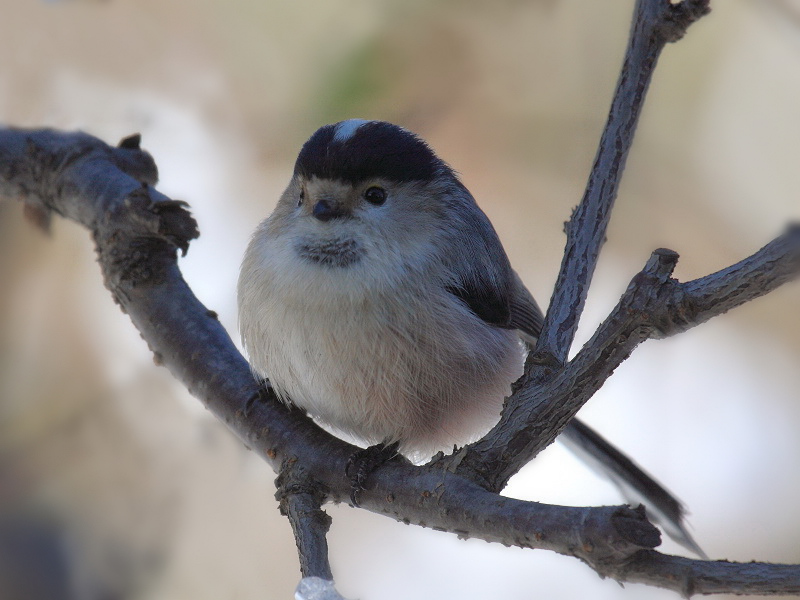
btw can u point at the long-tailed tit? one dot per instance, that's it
(378, 297)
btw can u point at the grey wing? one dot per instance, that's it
(480, 274)
(483, 277)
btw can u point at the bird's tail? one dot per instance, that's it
(636, 485)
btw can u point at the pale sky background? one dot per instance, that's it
(152, 498)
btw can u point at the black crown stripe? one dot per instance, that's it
(375, 149)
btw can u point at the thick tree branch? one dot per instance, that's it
(138, 232)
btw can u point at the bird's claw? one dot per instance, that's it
(260, 396)
(362, 463)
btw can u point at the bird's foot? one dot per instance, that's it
(264, 390)
(362, 463)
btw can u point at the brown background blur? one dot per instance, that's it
(119, 482)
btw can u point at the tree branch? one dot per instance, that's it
(301, 502)
(520, 435)
(689, 576)
(138, 232)
(654, 306)
(655, 23)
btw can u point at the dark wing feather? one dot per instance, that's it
(485, 301)
(482, 276)
(526, 316)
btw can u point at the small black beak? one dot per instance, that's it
(324, 211)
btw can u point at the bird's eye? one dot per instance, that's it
(375, 195)
(302, 197)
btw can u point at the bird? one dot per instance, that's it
(378, 298)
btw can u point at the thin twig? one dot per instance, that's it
(689, 576)
(516, 439)
(655, 23)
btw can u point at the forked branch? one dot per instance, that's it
(655, 23)
(654, 306)
(522, 431)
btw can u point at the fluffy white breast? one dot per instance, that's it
(376, 349)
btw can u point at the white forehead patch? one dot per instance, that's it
(346, 129)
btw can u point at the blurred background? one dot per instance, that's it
(116, 484)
